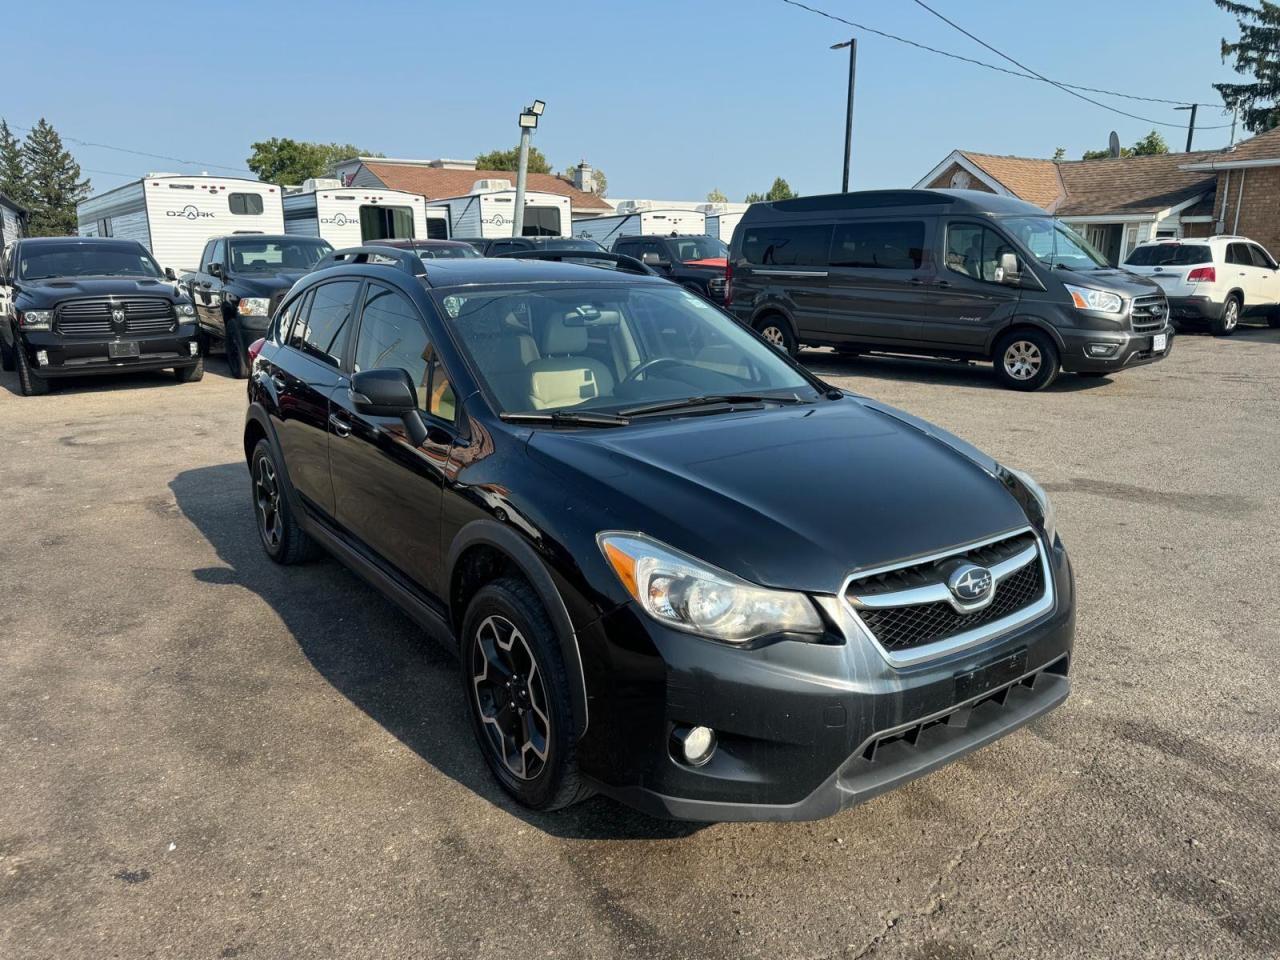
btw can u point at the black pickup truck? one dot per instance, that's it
(82, 305)
(240, 280)
(696, 262)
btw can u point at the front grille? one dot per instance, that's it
(902, 628)
(1149, 313)
(922, 620)
(84, 318)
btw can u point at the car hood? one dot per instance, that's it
(265, 284)
(1117, 281)
(50, 292)
(792, 497)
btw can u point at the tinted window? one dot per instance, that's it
(1260, 257)
(285, 318)
(321, 335)
(506, 246)
(295, 335)
(1170, 255)
(975, 251)
(1239, 253)
(881, 245)
(391, 335)
(437, 229)
(271, 256)
(787, 246)
(245, 203)
(218, 253)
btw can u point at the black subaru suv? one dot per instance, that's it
(79, 305)
(677, 568)
(241, 280)
(696, 262)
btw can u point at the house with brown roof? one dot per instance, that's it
(1247, 191)
(1115, 203)
(438, 179)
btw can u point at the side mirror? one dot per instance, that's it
(170, 273)
(215, 270)
(389, 392)
(1007, 272)
(651, 259)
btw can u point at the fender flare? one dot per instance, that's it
(772, 306)
(493, 534)
(1025, 321)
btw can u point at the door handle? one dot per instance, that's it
(340, 426)
(942, 283)
(916, 282)
(278, 381)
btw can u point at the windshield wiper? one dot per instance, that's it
(579, 418)
(665, 406)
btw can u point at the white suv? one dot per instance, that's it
(1215, 279)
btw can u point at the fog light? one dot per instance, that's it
(42, 358)
(694, 745)
(195, 348)
(1102, 349)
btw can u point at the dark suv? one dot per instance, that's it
(78, 305)
(696, 262)
(947, 273)
(677, 568)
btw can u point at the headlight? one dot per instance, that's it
(185, 310)
(254, 306)
(687, 594)
(1046, 505)
(1086, 298)
(35, 319)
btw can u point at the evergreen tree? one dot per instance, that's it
(13, 173)
(716, 196)
(1255, 54)
(781, 190)
(54, 184)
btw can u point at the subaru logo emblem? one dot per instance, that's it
(970, 583)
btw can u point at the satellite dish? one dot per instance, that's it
(1113, 144)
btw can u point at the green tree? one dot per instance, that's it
(1060, 154)
(13, 172)
(281, 160)
(753, 198)
(781, 190)
(1150, 145)
(716, 196)
(1256, 55)
(54, 186)
(510, 160)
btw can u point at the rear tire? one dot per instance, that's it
(281, 535)
(234, 346)
(6, 356)
(1226, 324)
(1273, 318)
(518, 696)
(1027, 360)
(192, 374)
(777, 331)
(31, 384)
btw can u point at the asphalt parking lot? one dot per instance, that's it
(206, 755)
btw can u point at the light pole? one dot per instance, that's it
(1191, 127)
(852, 44)
(528, 123)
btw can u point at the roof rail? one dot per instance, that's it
(620, 260)
(405, 260)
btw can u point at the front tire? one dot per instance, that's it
(281, 535)
(777, 332)
(31, 384)
(1027, 360)
(6, 356)
(518, 693)
(234, 346)
(192, 374)
(1226, 324)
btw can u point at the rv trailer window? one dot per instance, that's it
(245, 203)
(386, 223)
(437, 229)
(541, 222)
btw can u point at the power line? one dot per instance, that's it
(141, 153)
(1005, 70)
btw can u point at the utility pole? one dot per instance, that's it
(1191, 125)
(852, 44)
(1234, 114)
(528, 123)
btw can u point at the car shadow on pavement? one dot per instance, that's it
(377, 658)
(957, 373)
(104, 383)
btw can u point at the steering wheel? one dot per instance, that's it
(645, 367)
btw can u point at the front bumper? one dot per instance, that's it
(803, 729)
(1131, 349)
(1194, 308)
(87, 356)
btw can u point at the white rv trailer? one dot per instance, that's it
(350, 216)
(636, 217)
(438, 223)
(174, 216)
(722, 218)
(488, 211)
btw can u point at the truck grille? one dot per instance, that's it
(92, 318)
(926, 614)
(1149, 314)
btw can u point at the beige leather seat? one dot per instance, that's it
(565, 376)
(504, 354)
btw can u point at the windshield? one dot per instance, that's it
(1169, 255)
(78, 259)
(1054, 244)
(611, 346)
(689, 249)
(446, 252)
(272, 256)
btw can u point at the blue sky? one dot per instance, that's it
(669, 98)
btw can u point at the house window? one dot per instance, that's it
(247, 204)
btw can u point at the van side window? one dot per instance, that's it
(325, 330)
(245, 203)
(974, 251)
(785, 245)
(882, 245)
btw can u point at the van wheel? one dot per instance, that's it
(1027, 360)
(777, 332)
(1226, 324)
(29, 383)
(518, 694)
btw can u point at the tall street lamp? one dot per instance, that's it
(528, 123)
(852, 44)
